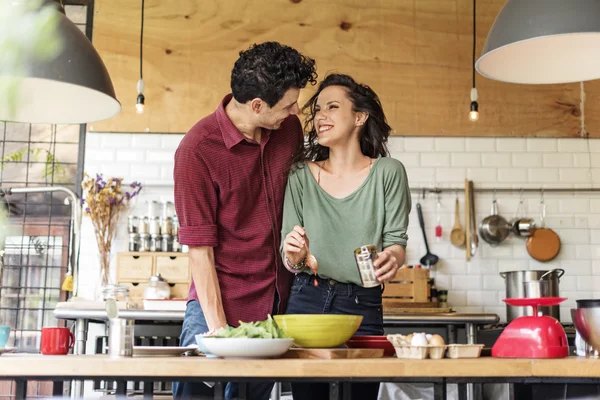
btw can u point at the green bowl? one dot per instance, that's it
(319, 330)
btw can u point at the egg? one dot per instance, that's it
(436, 340)
(418, 340)
(428, 336)
(409, 338)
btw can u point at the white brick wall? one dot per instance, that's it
(474, 286)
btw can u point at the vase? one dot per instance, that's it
(104, 258)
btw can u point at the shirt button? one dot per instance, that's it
(331, 282)
(269, 199)
(265, 174)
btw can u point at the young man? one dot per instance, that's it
(230, 175)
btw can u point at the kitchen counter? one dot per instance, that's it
(83, 316)
(23, 367)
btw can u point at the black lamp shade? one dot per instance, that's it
(73, 88)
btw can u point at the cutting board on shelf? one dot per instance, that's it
(330, 354)
(413, 310)
(394, 307)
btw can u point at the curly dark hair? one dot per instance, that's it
(268, 70)
(374, 133)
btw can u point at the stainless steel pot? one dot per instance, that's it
(494, 228)
(516, 288)
(522, 226)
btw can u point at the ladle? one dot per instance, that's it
(429, 259)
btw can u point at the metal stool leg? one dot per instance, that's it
(276, 392)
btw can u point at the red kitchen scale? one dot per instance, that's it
(536, 336)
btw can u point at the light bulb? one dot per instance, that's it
(474, 114)
(140, 104)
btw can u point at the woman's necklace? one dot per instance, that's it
(323, 164)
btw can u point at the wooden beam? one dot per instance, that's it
(415, 54)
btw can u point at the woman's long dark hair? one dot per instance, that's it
(374, 133)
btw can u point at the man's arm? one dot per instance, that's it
(196, 203)
(204, 275)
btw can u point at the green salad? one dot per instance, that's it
(266, 329)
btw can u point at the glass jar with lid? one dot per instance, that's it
(157, 288)
(118, 292)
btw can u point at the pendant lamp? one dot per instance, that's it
(543, 42)
(72, 88)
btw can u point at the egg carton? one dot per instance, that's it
(420, 352)
(464, 350)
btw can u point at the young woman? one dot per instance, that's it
(344, 193)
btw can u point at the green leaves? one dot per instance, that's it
(53, 169)
(266, 329)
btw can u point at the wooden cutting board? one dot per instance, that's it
(330, 354)
(411, 310)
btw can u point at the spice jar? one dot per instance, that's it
(143, 225)
(166, 225)
(153, 226)
(157, 288)
(144, 242)
(167, 243)
(176, 245)
(132, 224)
(175, 227)
(134, 242)
(443, 298)
(155, 243)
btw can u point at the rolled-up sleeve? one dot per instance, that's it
(195, 199)
(397, 206)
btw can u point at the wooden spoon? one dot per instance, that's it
(457, 235)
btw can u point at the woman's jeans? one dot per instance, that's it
(194, 324)
(331, 297)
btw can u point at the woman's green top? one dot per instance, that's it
(374, 214)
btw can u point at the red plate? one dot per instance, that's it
(372, 342)
(536, 301)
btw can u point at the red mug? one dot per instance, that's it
(57, 341)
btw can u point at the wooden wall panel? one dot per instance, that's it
(415, 54)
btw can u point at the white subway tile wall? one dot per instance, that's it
(474, 286)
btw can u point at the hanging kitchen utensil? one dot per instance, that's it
(474, 237)
(428, 259)
(543, 244)
(457, 235)
(521, 226)
(438, 219)
(494, 228)
(467, 221)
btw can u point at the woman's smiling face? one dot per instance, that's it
(335, 119)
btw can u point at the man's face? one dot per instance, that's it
(272, 117)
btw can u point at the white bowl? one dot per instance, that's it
(246, 348)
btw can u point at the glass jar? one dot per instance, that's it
(176, 245)
(166, 225)
(143, 225)
(157, 288)
(118, 292)
(154, 226)
(175, 226)
(133, 224)
(144, 242)
(155, 243)
(134, 242)
(167, 243)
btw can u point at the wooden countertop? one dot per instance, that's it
(34, 365)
